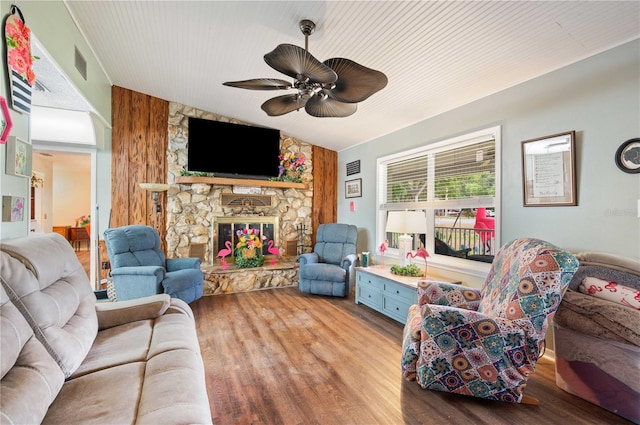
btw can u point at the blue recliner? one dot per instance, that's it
(329, 269)
(139, 268)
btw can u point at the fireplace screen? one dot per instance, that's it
(225, 228)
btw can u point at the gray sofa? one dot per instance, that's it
(69, 359)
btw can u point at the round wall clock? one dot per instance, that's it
(628, 156)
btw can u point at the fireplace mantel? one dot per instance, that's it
(239, 182)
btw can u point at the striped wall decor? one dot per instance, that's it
(20, 93)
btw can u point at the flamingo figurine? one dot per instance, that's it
(275, 251)
(383, 248)
(223, 253)
(422, 253)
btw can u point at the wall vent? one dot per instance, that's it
(239, 200)
(80, 63)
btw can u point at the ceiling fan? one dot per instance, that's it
(325, 89)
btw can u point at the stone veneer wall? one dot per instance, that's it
(192, 207)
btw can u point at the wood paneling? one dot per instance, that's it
(325, 188)
(139, 154)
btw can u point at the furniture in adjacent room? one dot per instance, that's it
(139, 267)
(596, 334)
(78, 235)
(68, 359)
(62, 230)
(330, 268)
(389, 293)
(486, 342)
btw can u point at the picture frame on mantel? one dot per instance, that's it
(548, 171)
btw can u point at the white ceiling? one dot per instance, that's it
(437, 55)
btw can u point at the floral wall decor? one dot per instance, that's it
(12, 208)
(19, 60)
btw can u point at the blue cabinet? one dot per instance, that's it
(390, 294)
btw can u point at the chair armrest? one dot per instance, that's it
(308, 258)
(174, 264)
(448, 294)
(139, 271)
(121, 312)
(349, 261)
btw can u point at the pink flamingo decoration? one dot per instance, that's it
(223, 253)
(422, 253)
(275, 251)
(383, 248)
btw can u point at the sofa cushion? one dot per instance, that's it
(31, 379)
(54, 295)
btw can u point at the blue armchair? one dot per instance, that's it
(139, 268)
(329, 269)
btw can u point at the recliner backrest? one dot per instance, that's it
(134, 245)
(52, 291)
(334, 241)
(527, 280)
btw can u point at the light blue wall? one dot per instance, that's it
(598, 97)
(52, 25)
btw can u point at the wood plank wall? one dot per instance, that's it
(325, 188)
(139, 154)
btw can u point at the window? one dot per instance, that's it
(456, 183)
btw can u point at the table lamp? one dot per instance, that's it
(406, 223)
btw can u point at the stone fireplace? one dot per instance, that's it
(224, 230)
(205, 213)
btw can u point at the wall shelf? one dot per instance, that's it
(239, 182)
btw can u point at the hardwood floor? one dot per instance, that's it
(279, 356)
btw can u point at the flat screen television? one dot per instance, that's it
(254, 150)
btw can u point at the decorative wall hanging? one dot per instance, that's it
(12, 208)
(5, 121)
(19, 60)
(353, 188)
(18, 157)
(628, 156)
(549, 172)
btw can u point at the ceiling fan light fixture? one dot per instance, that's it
(325, 89)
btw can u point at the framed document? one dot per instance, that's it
(548, 171)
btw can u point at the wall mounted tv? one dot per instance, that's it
(254, 150)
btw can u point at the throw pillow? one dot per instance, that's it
(611, 291)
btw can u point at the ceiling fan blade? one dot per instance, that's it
(355, 82)
(320, 107)
(260, 84)
(294, 61)
(281, 105)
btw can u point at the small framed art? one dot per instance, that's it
(628, 156)
(548, 171)
(18, 157)
(12, 208)
(353, 188)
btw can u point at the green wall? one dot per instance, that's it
(598, 97)
(52, 25)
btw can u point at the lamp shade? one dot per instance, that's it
(406, 222)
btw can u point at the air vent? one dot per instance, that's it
(39, 87)
(81, 63)
(237, 200)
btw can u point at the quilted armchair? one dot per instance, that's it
(139, 267)
(485, 343)
(329, 269)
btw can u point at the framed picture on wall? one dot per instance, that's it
(549, 171)
(12, 208)
(353, 188)
(18, 157)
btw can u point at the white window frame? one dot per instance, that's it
(471, 267)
